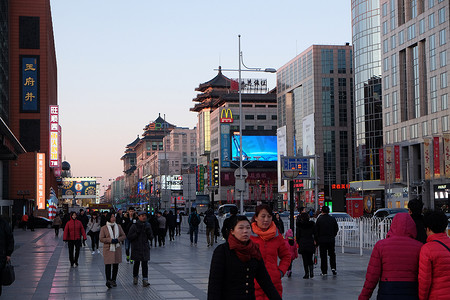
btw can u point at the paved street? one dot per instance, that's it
(176, 271)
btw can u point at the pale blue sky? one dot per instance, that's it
(120, 63)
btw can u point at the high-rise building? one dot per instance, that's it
(315, 101)
(415, 42)
(368, 101)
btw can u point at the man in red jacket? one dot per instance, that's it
(434, 261)
(72, 235)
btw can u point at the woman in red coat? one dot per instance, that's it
(271, 244)
(72, 235)
(394, 262)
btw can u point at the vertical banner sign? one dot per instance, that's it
(40, 180)
(389, 159)
(437, 157)
(371, 163)
(54, 160)
(397, 163)
(447, 155)
(30, 84)
(225, 145)
(381, 156)
(427, 158)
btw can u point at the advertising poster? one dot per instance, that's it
(437, 157)
(397, 163)
(30, 84)
(225, 145)
(447, 155)
(382, 174)
(309, 146)
(40, 180)
(281, 150)
(54, 160)
(82, 188)
(427, 158)
(389, 157)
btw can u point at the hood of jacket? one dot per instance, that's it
(403, 225)
(289, 234)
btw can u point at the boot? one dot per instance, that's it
(311, 271)
(135, 280)
(306, 272)
(145, 282)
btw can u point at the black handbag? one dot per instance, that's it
(8, 275)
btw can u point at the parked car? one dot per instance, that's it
(385, 224)
(345, 221)
(225, 209)
(384, 212)
(41, 222)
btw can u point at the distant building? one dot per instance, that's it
(315, 108)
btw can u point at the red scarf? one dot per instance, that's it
(266, 235)
(244, 251)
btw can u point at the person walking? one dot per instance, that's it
(31, 221)
(178, 223)
(306, 243)
(292, 247)
(129, 219)
(73, 232)
(24, 221)
(111, 235)
(193, 221)
(83, 218)
(161, 229)
(279, 223)
(434, 260)
(6, 246)
(326, 231)
(236, 265)
(227, 223)
(394, 262)
(171, 224)
(155, 228)
(415, 207)
(93, 229)
(57, 222)
(210, 222)
(139, 235)
(119, 217)
(272, 246)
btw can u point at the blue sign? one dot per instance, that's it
(30, 84)
(225, 145)
(299, 164)
(140, 187)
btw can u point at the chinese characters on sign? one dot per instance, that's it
(253, 85)
(54, 160)
(30, 84)
(40, 180)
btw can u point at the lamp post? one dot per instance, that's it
(240, 70)
(291, 174)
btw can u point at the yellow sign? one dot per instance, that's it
(226, 116)
(40, 180)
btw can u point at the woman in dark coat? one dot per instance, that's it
(305, 241)
(236, 264)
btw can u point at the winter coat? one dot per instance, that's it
(74, 230)
(434, 268)
(93, 226)
(161, 222)
(111, 257)
(292, 248)
(138, 235)
(280, 225)
(6, 242)
(127, 223)
(171, 220)
(210, 220)
(83, 219)
(230, 278)
(394, 262)
(305, 237)
(326, 229)
(420, 228)
(270, 251)
(57, 221)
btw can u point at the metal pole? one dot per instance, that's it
(240, 127)
(407, 175)
(316, 188)
(291, 204)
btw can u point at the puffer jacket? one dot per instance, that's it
(270, 251)
(305, 236)
(73, 230)
(292, 248)
(434, 268)
(394, 262)
(139, 235)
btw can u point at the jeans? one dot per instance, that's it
(56, 229)
(210, 235)
(95, 236)
(144, 269)
(178, 229)
(327, 248)
(161, 236)
(192, 231)
(307, 260)
(127, 247)
(172, 233)
(77, 245)
(115, 270)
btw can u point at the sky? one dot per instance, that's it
(122, 63)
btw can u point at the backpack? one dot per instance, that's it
(210, 221)
(195, 220)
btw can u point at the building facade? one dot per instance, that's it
(315, 106)
(415, 43)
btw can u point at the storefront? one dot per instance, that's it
(441, 196)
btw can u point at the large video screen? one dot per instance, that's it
(255, 147)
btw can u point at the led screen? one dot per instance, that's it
(255, 147)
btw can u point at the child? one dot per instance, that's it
(292, 247)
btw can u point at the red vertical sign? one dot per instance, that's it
(381, 158)
(437, 157)
(397, 162)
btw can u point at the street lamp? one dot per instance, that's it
(269, 70)
(291, 174)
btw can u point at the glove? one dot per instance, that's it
(114, 241)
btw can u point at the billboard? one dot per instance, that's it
(225, 145)
(281, 147)
(54, 160)
(82, 187)
(255, 147)
(309, 145)
(29, 81)
(40, 180)
(173, 182)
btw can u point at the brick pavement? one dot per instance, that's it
(176, 271)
